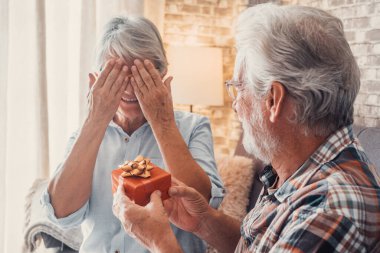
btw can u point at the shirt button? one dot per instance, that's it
(117, 251)
(126, 139)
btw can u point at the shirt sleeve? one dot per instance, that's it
(202, 150)
(74, 219)
(321, 232)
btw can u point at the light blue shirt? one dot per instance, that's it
(102, 231)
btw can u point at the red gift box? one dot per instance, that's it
(139, 189)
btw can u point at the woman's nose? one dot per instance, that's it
(129, 88)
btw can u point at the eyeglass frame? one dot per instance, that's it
(238, 86)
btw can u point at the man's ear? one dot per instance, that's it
(275, 100)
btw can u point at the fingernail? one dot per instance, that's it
(158, 193)
(125, 68)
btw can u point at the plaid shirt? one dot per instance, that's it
(330, 204)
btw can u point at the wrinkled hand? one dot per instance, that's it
(106, 90)
(153, 94)
(148, 224)
(186, 208)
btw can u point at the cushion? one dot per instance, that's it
(369, 138)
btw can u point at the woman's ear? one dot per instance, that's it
(163, 74)
(275, 100)
(91, 80)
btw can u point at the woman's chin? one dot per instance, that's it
(129, 106)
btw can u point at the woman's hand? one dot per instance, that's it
(186, 207)
(106, 90)
(149, 224)
(153, 94)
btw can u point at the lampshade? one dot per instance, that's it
(198, 75)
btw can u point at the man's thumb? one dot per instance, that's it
(155, 198)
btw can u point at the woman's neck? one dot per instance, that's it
(127, 123)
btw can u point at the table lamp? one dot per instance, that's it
(198, 75)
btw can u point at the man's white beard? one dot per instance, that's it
(257, 139)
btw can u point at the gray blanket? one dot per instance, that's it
(38, 224)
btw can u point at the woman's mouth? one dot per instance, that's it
(129, 100)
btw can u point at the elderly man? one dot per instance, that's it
(296, 82)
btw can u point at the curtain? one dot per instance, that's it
(3, 109)
(24, 144)
(47, 49)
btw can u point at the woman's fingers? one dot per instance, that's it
(145, 76)
(115, 88)
(153, 72)
(139, 94)
(105, 72)
(113, 75)
(123, 87)
(138, 80)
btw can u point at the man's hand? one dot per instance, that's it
(153, 94)
(186, 208)
(149, 224)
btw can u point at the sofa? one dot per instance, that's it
(239, 173)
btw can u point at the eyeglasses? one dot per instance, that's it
(233, 87)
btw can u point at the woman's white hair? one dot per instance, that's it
(131, 38)
(304, 49)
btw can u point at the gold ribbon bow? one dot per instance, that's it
(139, 167)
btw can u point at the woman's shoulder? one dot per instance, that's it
(189, 118)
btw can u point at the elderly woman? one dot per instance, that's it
(130, 113)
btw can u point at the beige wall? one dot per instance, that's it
(210, 23)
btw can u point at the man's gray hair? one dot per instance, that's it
(304, 49)
(132, 38)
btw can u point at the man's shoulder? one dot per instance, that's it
(349, 184)
(350, 168)
(347, 180)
